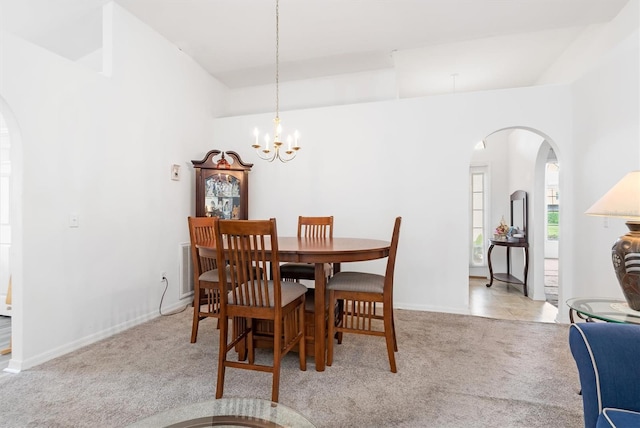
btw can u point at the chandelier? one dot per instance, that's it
(273, 149)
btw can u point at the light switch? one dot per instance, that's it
(73, 220)
(175, 172)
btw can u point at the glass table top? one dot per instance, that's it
(227, 412)
(609, 310)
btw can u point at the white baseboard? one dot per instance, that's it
(17, 366)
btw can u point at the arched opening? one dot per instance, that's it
(507, 160)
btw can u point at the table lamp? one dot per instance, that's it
(623, 200)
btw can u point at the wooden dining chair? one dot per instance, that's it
(244, 246)
(309, 227)
(314, 228)
(360, 292)
(206, 285)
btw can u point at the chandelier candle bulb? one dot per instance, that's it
(256, 133)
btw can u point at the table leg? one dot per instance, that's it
(320, 317)
(526, 271)
(490, 266)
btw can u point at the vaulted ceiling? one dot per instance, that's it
(436, 43)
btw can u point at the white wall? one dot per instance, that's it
(101, 148)
(604, 104)
(367, 163)
(594, 43)
(370, 148)
(349, 88)
(606, 123)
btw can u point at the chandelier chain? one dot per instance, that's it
(277, 59)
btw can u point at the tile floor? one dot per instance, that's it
(551, 281)
(500, 301)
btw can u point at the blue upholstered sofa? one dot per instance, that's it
(608, 359)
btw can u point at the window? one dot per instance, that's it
(552, 201)
(478, 178)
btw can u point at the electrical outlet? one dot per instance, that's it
(163, 275)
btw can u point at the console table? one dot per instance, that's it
(519, 220)
(508, 277)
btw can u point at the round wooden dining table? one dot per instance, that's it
(319, 251)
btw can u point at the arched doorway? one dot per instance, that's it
(512, 159)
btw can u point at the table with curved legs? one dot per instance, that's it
(507, 277)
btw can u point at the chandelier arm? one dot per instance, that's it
(267, 158)
(283, 160)
(276, 155)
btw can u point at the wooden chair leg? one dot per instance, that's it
(222, 355)
(196, 314)
(339, 320)
(239, 325)
(249, 341)
(331, 327)
(277, 356)
(302, 346)
(389, 336)
(393, 326)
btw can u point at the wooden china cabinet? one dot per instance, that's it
(222, 187)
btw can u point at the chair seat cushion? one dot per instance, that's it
(213, 275)
(357, 281)
(618, 418)
(297, 270)
(290, 291)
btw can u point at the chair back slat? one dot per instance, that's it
(201, 230)
(315, 227)
(249, 249)
(391, 261)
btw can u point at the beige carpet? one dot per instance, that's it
(453, 371)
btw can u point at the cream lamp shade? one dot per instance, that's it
(623, 200)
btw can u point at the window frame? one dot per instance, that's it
(482, 170)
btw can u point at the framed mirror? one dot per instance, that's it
(519, 213)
